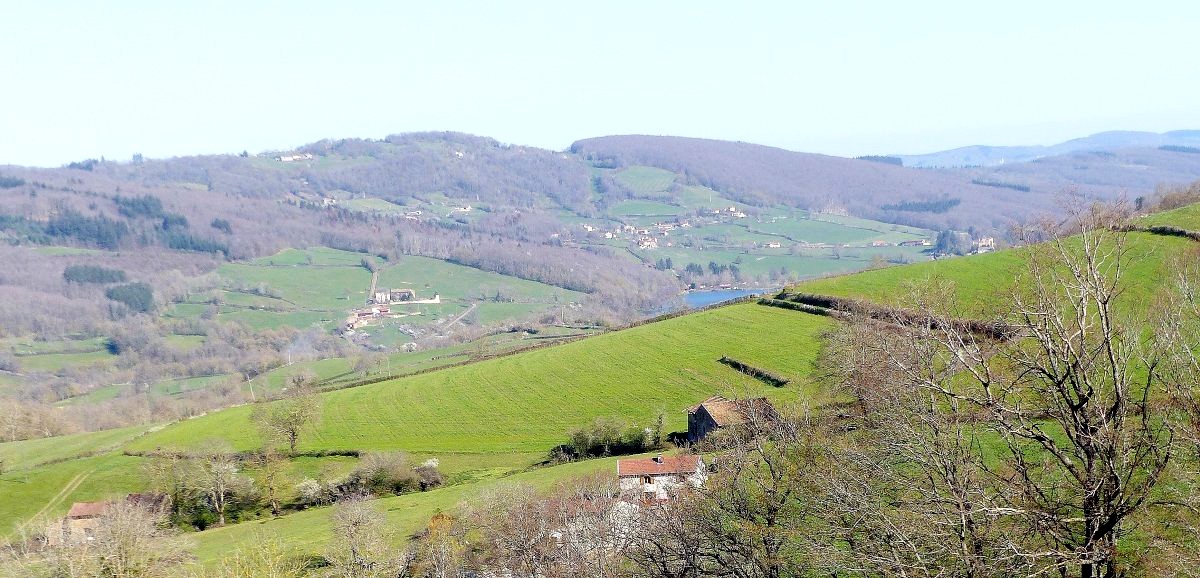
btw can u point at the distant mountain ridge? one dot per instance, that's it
(987, 156)
(988, 197)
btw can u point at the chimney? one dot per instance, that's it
(658, 459)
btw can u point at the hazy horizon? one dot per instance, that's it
(178, 79)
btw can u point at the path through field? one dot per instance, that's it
(464, 314)
(70, 486)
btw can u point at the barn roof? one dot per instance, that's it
(656, 466)
(87, 509)
(730, 411)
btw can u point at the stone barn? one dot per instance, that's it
(717, 412)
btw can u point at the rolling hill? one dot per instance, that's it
(506, 413)
(989, 197)
(490, 421)
(986, 156)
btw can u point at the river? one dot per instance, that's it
(695, 299)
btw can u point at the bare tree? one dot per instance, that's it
(218, 478)
(362, 546)
(287, 419)
(130, 541)
(747, 519)
(267, 556)
(441, 552)
(1071, 438)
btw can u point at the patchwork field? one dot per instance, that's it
(742, 240)
(318, 287)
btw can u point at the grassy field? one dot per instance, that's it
(642, 207)
(373, 205)
(984, 284)
(27, 454)
(1184, 217)
(806, 263)
(318, 287)
(528, 401)
(49, 490)
(819, 230)
(645, 180)
(309, 532)
(428, 276)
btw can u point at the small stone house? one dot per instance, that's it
(717, 412)
(79, 525)
(84, 519)
(658, 478)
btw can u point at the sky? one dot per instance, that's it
(90, 79)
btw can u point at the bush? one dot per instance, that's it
(10, 182)
(382, 473)
(757, 373)
(609, 437)
(311, 492)
(137, 296)
(429, 474)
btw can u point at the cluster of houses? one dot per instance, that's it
(984, 245)
(380, 307)
(294, 158)
(730, 212)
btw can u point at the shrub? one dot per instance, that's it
(311, 492)
(382, 473)
(757, 373)
(608, 437)
(429, 474)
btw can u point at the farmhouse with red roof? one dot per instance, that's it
(657, 478)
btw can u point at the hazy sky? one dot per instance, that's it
(165, 78)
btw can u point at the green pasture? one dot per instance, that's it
(644, 180)
(26, 454)
(1184, 217)
(528, 401)
(985, 284)
(428, 276)
(48, 491)
(308, 532)
(373, 205)
(645, 208)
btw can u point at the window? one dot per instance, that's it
(647, 480)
